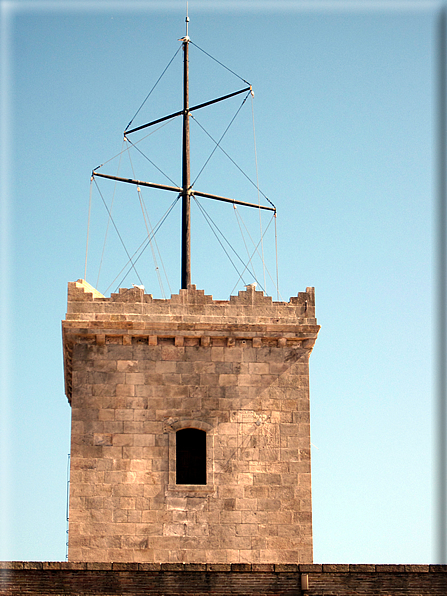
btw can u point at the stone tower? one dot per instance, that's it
(190, 426)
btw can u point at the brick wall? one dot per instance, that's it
(110, 579)
(137, 370)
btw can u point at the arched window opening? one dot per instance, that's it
(190, 456)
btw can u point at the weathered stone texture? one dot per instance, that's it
(137, 370)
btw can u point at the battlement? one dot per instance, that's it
(191, 305)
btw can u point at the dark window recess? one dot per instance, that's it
(190, 456)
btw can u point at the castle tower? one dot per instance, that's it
(190, 426)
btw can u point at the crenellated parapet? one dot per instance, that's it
(191, 304)
(189, 318)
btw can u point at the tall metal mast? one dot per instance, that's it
(186, 191)
(186, 181)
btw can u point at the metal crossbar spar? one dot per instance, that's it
(137, 182)
(180, 112)
(234, 201)
(178, 189)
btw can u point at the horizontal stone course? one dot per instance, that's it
(312, 568)
(200, 579)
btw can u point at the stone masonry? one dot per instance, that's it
(137, 370)
(50, 578)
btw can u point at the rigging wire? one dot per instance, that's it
(146, 220)
(256, 252)
(174, 202)
(278, 295)
(162, 264)
(246, 229)
(238, 219)
(88, 225)
(150, 92)
(217, 144)
(108, 221)
(232, 161)
(215, 60)
(134, 144)
(119, 235)
(257, 186)
(154, 256)
(157, 227)
(214, 227)
(151, 162)
(208, 219)
(140, 247)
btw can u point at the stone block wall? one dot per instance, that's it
(137, 370)
(152, 579)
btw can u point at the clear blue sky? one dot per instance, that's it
(345, 122)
